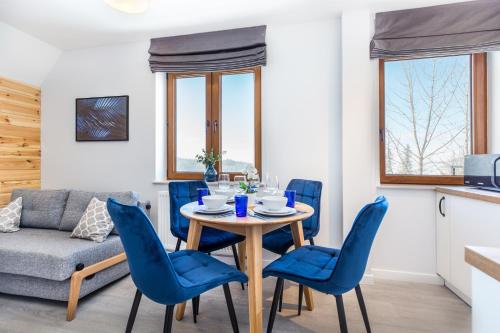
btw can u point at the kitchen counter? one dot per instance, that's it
(486, 259)
(471, 193)
(485, 262)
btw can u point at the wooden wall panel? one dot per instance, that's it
(19, 137)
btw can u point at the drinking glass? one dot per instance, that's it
(241, 205)
(290, 195)
(237, 181)
(201, 193)
(224, 183)
(267, 180)
(272, 185)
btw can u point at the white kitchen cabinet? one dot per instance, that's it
(442, 237)
(468, 221)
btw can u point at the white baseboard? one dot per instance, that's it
(460, 294)
(384, 274)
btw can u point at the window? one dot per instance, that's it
(219, 111)
(432, 114)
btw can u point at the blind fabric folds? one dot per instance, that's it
(209, 51)
(452, 29)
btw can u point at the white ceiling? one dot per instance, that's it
(72, 24)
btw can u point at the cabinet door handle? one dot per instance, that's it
(440, 206)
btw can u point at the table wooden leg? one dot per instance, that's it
(242, 255)
(193, 240)
(254, 272)
(298, 240)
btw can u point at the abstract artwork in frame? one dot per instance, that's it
(102, 118)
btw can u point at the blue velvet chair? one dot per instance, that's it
(184, 192)
(280, 240)
(332, 271)
(167, 278)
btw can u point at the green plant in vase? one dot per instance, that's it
(251, 187)
(208, 159)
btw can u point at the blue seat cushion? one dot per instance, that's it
(278, 241)
(212, 239)
(308, 265)
(201, 272)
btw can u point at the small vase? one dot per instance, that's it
(210, 174)
(251, 198)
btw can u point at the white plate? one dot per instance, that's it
(286, 211)
(204, 210)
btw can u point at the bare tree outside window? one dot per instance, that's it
(427, 116)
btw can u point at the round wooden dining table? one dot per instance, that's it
(250, 250)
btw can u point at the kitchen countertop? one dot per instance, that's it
(486, 259)
(471, 193)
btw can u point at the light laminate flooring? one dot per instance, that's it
(393, 307)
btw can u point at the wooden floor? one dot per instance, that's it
(392, 306)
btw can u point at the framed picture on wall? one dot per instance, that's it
(102, 118)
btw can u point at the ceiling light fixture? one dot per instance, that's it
(129, 6)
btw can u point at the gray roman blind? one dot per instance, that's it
(209, 51)
(452, 29)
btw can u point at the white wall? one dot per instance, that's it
(404, 248)
(300, 106)
(99, 166)
(493, 102)
(301, 113)
(359, 114)
(23, 57)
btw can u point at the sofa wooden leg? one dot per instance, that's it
(78, 276)
(74, 294)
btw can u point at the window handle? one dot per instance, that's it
(215, 125)
(381, 134)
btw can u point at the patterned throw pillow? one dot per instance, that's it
(10, 216)
(95, 223)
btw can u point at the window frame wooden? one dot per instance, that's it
(213, 120)
(479, 126)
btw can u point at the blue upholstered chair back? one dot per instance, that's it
(351, 262)
(180, 194)
(308, 192)
(149, 263)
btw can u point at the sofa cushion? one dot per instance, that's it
(79, 200)
(95, 223)
(41, 208)
(10, 216)
(51, 254)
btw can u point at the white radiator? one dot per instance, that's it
(164, 220)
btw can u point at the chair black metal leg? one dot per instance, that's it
(311, 241)
(178, 245)
(133, 311)
(274, 306)
(169, 315)
(230, 308)
(237, 261)
(195, 301)
(281, 300)
(341, 312)
(362, 305)
(301, 294)
(197, 305)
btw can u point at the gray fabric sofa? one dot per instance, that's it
(41, 260)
